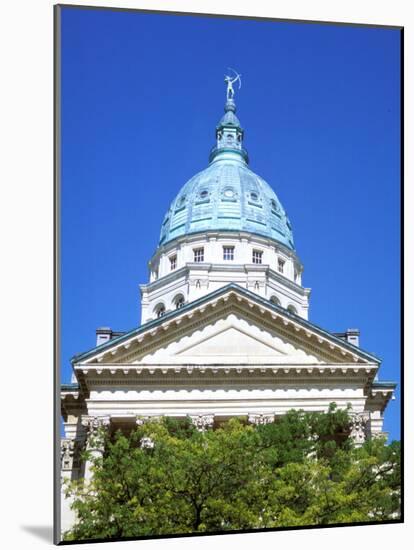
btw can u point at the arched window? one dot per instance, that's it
(179, 301)
(275, 300)
(292, 309)
(159, 310)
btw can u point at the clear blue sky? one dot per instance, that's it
(320, 104)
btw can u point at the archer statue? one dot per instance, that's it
(230, 81)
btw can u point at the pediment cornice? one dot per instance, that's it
(210, 308)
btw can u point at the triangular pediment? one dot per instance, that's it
(232, 342)
(230, 337)
(234, 339)
(228, 326)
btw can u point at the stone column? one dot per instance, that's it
(261, 419)
(93, 426)
(359, 427)
(202, 421)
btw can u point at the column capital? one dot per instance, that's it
(202, 421)
(94, 423)
(359, 426)
(147, 443)
(260, 419)
(93, 426)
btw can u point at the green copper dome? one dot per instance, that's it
(227, 195)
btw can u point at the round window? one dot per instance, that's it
(254, 196)
(229, 193)
(203, 193)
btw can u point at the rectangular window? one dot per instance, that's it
(199, 254)
(173, 262)
(280, 265)
(228, 252)
(257, 256)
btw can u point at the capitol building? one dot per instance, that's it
(225, 328)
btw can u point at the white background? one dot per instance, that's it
(26, 281)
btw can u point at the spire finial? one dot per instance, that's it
(230, 80)
(229, 133)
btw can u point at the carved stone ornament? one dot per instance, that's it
(199, 283)
(147, 443)
(92, 425)
(261, 419)
(203, 421)
(359, 426)
(67, 452)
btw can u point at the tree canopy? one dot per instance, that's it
(168, 478)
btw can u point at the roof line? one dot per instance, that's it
(384, 384)
(222, 290)
(70, 387)
(291, 248)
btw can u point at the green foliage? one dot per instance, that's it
(300, 470)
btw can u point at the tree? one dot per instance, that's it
(168, 478)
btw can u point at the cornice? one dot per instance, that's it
(184, 273)
(293, 326)
(227, 377)
(207, 315)
(180, 273)
(288, 283)
(381, 394)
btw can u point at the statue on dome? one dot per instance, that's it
(230, 81)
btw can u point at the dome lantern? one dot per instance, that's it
(229, 135)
